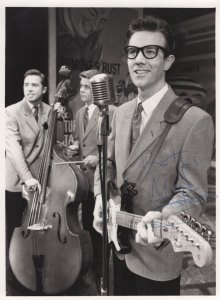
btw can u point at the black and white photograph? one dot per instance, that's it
(109, 155)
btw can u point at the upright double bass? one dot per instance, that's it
(50, 249)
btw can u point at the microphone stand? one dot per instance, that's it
(102, 134)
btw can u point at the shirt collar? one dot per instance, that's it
(31, 105)
(91, 106)
(150, 104)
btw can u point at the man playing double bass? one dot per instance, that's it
(24, 140)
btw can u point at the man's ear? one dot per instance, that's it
(169, 60)
(44, 89)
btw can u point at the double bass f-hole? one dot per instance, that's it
(56, 214)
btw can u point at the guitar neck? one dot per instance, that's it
(127, 220)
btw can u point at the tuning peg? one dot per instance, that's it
(182, 214)
(192, 221)
(203, 230)
(187, 218)
(209, 234)
(197, 226)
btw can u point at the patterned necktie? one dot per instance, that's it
(35, 112)
(136, 123)
(86, 118)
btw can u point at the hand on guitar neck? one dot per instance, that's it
(145, 234)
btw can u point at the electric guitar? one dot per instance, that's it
(182, 237)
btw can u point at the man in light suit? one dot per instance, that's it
(25, 126)
(175, 181)
(24, 140)
(85, 141)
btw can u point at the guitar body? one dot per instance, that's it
(112, 225)
(118, 234)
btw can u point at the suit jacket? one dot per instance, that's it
(24, 140)
(176, 181)
(88, 139)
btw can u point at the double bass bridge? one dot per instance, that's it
(38, 227)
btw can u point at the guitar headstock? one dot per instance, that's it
(188, 235)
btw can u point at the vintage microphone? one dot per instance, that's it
(103, 89)
(103, 92)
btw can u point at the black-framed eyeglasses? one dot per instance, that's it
(149, 51)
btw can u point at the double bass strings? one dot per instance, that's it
(38, 198)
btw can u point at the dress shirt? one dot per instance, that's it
(91, 109)
(150, 104)
(32, 106)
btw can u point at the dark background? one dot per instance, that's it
(26, 47)
(27, 41)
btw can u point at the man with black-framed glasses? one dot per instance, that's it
(149, 51)
(170, 174)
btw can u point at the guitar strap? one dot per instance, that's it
(173, 114)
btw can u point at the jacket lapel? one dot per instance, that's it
(126, 127)
(153, 128)
(80, 123)
(92, 122)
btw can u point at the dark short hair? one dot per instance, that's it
(153, 24)
(38, 73)
(89, 74)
